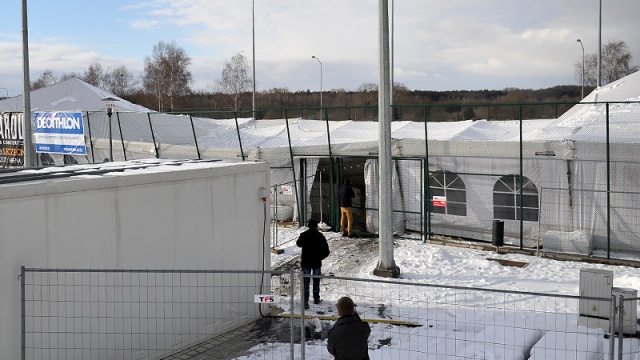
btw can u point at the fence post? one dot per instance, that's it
(302, 333)
(22, 316)
(124, 150)
(620, 325)
(612, 330)
(93, 156)
(292, 293)
(153, 136)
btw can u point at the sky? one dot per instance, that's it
(438, 45)
(532, 318)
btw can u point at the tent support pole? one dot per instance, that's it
(293, 166)
(521, 185)
(427, 205)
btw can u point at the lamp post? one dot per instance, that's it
(253, 37)
(5, 89)
(599, 75)
(580, 41)
(109, 104)
(314, 57)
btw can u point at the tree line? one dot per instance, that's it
(165, 85)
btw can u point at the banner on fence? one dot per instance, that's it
(11, 140)
(59, 132)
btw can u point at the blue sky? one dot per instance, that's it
(451, 45)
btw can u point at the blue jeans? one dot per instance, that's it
(316, 283)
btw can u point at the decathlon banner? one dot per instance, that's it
(59, 132)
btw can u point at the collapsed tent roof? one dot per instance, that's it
(69, 95)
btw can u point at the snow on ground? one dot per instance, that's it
(422, 263)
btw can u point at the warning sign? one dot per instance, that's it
(439, 201)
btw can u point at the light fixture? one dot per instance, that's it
(109, 105)
(314, 57)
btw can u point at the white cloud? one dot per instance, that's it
(144, 24)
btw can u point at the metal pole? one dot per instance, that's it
(582, 46)
(600, 45)
(314, 57)
(110, 137)
(29, 158)
(321, 197)
(292, 306)
(23, 323)
(253, 21)
(386, 265)
(392, 58)
(302, 329)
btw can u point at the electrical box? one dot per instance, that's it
(595, 283)
(629, 311)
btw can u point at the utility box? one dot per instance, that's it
(630, 310)
(595, 283)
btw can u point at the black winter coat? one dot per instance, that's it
(314, 248)
(345, 194)
(348, 338)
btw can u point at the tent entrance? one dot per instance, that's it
(322, 203)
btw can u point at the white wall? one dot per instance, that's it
(200, 215)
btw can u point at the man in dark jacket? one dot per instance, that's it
(345, 194)
(348, 337)
(314, 250)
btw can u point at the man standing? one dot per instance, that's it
(345, 193)
(348, 337)
(314, 250)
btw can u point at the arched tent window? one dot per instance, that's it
(506, 199)
(449, 187)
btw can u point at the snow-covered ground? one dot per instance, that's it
(456, 323)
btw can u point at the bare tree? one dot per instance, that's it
(235, 80)
(45, 79)
(69, 75)
(166, 73)
(95, 75)
(616, 64)
(120, 81)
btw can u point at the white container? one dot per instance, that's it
(144, 214)
(595, 283)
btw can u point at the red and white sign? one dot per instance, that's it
(266, 299)
(439, 201)
(286, 190)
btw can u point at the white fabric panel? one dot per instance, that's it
(371, 180)
(574, 242)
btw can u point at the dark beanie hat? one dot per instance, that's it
(312, 224)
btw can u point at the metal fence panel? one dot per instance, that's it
(198, 314)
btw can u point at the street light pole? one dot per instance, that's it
(253, 21)
(314, 57)
(109, 104)
(581, 45)
(599, 80)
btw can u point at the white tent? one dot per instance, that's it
(70, 95)
(574, 168)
